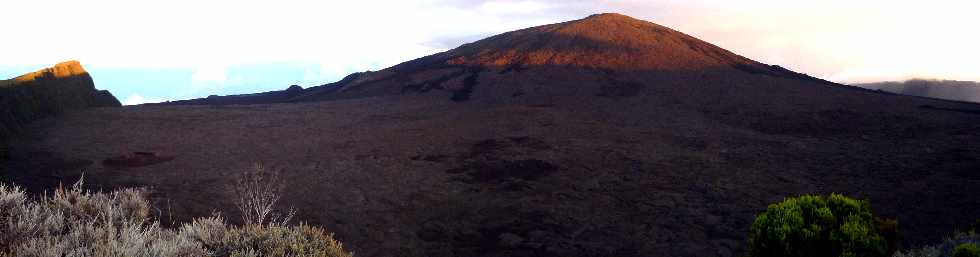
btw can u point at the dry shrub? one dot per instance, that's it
(262, 240)
(77, 222)
(257, 192)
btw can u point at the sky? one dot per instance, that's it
(150, 51)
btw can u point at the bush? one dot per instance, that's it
(967, 250)
(262, 240)
(808, 225)
(74, 222)
(77, 222)
(944, 248)
(257, 192)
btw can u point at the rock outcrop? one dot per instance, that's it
(49, 91)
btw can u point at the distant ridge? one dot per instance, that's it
(63, 87)
(942, 89)
(256, 98)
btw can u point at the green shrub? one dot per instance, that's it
(823, 226)
(967, 250)
(77, 222)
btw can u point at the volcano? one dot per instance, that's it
(605, 136)
(596, 49)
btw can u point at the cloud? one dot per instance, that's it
(209, 74)
(513, 7)
(943, 89)
(841, 40)
(453, 42)
(136, 99)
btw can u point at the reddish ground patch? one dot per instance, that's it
(136, 159)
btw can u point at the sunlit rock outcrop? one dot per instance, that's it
(49, 91)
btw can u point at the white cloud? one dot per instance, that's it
(209, 74)
(508, 7)
(136, 99)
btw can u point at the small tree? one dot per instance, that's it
(257, 192)
(825, 226)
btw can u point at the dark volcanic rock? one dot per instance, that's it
(136, 159)
(104, 98)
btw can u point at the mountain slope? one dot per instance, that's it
(49, 91)
(543, 142)
(601, 45)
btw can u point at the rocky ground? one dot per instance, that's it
(414, 175)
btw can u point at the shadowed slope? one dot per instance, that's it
(49, 91)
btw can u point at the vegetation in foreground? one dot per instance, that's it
(832, 225)
(77, 222)
(836, 225)
(967, 250)
(960, 244)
